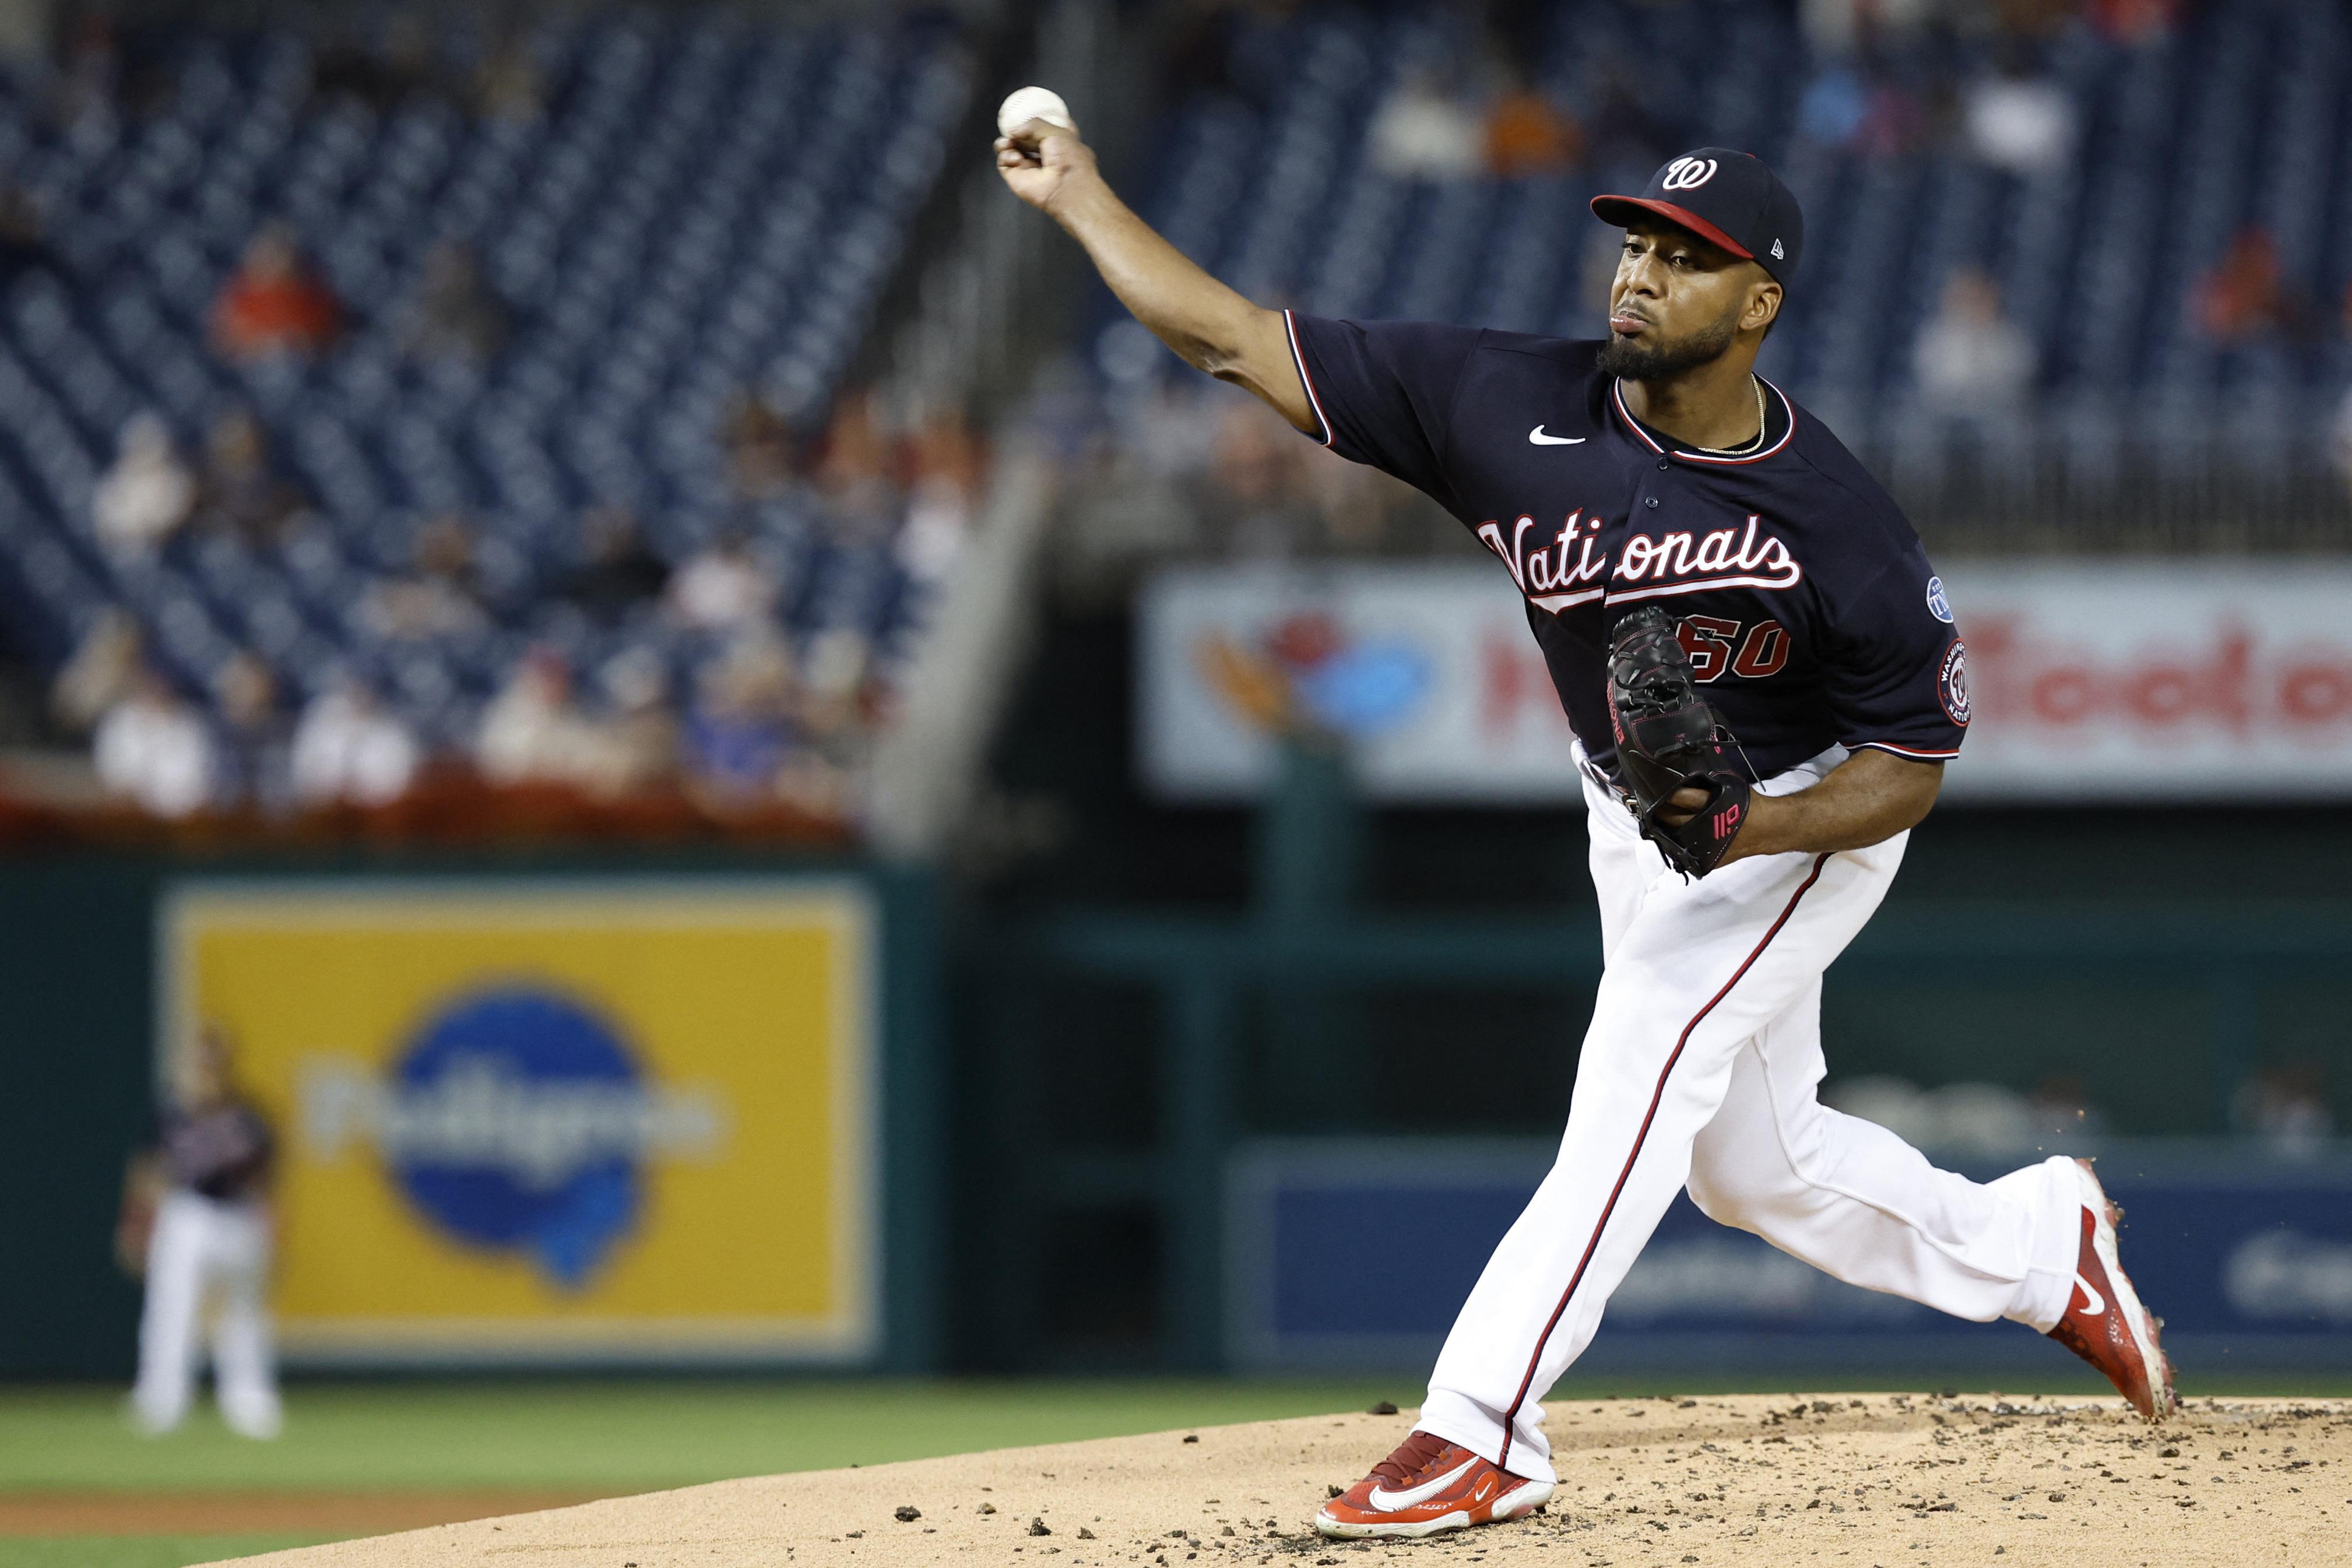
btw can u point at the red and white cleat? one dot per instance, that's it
(1426, 1486)
(2104, 1322)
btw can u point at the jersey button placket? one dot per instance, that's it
(1650, 501)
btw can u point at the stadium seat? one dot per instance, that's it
(651, 234)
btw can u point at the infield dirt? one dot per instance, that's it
(1848, 1479)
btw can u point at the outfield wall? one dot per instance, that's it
(2246, 1253)
(647, 1112)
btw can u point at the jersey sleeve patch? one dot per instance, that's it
(1952, 682)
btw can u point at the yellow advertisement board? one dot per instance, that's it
(554, 1120)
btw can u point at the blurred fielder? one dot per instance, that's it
(197, 1223)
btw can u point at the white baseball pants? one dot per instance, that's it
(204, 1248)
(1700, 1069)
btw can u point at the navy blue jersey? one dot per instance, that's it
(222, 1151)
(1808, 606)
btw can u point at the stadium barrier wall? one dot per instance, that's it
(775, 1028)
(2248, 1257)
(2173, 1001)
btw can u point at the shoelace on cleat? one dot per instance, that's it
(1411, 1457)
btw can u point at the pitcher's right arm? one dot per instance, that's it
(1210, 327)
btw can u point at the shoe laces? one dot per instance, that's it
(1412, 1455)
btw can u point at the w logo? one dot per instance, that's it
(1687, 174)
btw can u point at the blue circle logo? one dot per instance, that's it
(1937, 605)
(516, 1121)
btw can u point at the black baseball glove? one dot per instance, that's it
(1668, 738)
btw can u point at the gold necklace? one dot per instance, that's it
(1745, 446)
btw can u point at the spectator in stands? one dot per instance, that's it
(456, 316)
(81, 95)
(255, 761)
(2020, 123)
(943, 464)
(1352, 501)
(1199, 51)
(1528, 135)
(273, 305)
(1970, 358)
(1621, 132)
(759, 450)
(144, 498)
(639, 738)
(1862, 112)
(534, 731)
(437, 597)
(152, 748)
(938, 517)
(1254, 485)
(241, 493)
(531, 732)
(382, 78)
(104, 668)
(24, 234)
(509, 85)
(1834, 107)
(1425, 129)
(348, 751)
(828, 750)
(740, 728)
(2135, 24)
(2248, 295)
(1840, 30)
(616, 573)
(724, 588)
(853, 472)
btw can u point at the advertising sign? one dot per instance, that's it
(2084, 680)
(2155, 680)
(1428, 669)
(551, 1120)
(2249, 1258)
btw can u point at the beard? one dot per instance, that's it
(1633, 359)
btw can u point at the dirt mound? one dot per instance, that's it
(1877, 1478)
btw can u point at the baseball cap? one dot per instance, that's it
(1730, 198)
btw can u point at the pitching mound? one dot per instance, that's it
(1879, 1479)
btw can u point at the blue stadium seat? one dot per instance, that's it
(2239, 120)
(650, 234)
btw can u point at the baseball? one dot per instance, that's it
(1027, 103)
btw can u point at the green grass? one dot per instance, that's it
(642, 1434)
(614, 1435)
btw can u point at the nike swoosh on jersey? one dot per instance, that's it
(2098, 1304)
(1538, 437)
(1389, 1502)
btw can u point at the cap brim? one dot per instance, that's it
(1615, 210)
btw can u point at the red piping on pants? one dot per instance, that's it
(1509, 1416)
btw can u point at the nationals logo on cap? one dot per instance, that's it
(1727, 198)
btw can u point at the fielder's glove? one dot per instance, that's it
(1668, 738)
